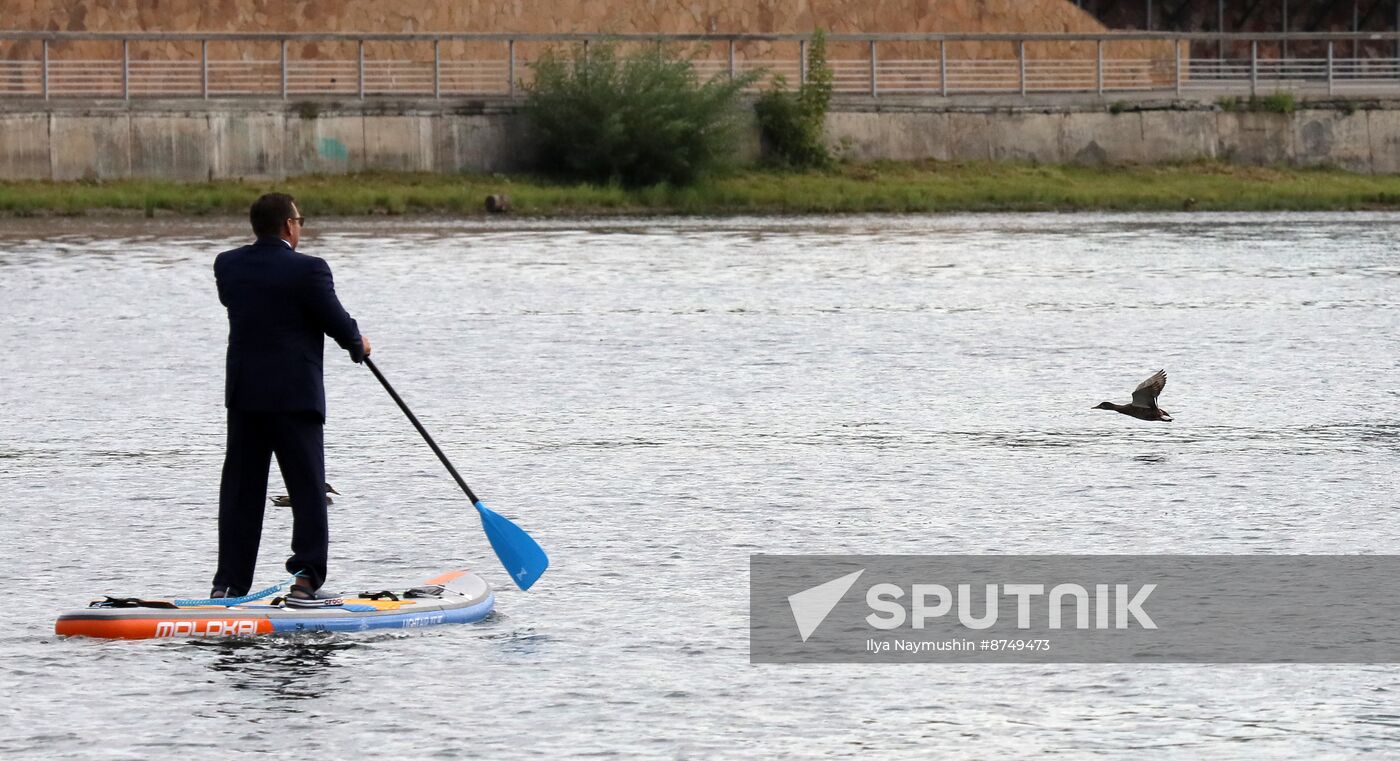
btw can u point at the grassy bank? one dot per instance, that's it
(884, 187)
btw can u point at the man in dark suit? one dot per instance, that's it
(280, 305)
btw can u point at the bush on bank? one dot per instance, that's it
(636, 118)
(793, 124)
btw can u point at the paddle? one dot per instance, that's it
(521, 555)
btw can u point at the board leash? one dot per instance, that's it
(231, 601)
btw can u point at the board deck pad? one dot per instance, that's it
(465, 598)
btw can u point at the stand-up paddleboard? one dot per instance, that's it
(456, 597)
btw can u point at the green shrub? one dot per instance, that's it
(637, 119)
(792, 124)
(1278, 103)
(1118, 107)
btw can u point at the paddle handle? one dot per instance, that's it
(421, 430)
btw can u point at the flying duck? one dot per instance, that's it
(285, 501)
(1144, 403)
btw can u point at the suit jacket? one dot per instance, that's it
(280, 305)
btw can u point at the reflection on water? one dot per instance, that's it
(656, 399)
(286, 669)
(520, 641)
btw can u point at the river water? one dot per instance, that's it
(656, 399)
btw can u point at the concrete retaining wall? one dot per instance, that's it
(240, 140)
(1362, 140)
(213, 140)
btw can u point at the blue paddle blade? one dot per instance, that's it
(523, 558)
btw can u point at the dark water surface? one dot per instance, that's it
(657, 399)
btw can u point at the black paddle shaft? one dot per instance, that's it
(436, 450)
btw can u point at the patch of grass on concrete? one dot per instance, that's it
(847, 188)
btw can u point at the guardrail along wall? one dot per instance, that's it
(49, 66)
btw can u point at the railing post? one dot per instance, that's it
(874, 68)
(1330, 45)
(943, 66)
(510, 67)
(1021, 63)
(44, 72)
(1220, 27)
(1356, 30)
(1254, 68)
(1098, 66)
(437, 68)
(731, 58)
(283, 62)
(360, 68)
(204, 69)
(801, 62)
(126, 70)
(1176, 49)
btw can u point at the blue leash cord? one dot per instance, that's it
(231, 601)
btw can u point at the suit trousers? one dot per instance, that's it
(296, 438)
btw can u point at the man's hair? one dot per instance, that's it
(269, 212)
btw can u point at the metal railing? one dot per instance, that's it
(41, 64)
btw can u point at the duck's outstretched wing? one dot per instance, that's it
(1145, 395)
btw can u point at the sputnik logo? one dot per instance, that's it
(810, 607)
